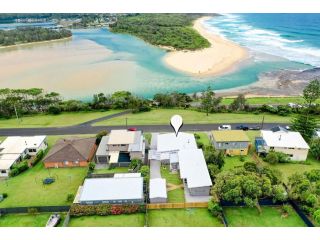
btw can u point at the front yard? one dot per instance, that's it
(130, 220)
(270, 217)
(190, 217)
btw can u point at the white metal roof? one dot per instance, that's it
(171, 142)
(121, 137)
(193, 167)
(114, 156)
(157, 188)
(99, 189)
(284, 139)
(19, 144)
(6, 164)
(103, 147)
(126, 175)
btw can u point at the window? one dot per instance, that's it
(32, 150)
(291, 148)
(3, 171)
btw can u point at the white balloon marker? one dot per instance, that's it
(176, 123)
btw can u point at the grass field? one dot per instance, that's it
(131, 220)
(190, 217)
(269, 100)
(46, 120)
(173, 178)
(27, 189)
(162, 116)
(204, 138)
(27, 220)
(176, 195)
(270, 217)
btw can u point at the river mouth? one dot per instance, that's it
(97, 60)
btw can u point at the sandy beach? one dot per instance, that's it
(221, 57)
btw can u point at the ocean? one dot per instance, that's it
(275, 42)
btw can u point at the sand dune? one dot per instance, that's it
(215, 60)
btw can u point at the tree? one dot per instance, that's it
(100, 135)
(315, 148)
(276, 157)
(316, 216)
(213, 170)
(53, 109)
(279, 193)
(311, 92)
(144, 170)
(208, 100)
(238, 103)
(214, 157)
(214, 208)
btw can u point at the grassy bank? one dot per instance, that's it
(162, 116)
(46, 120)
(27, 220)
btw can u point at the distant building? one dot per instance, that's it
(233, 142)
(282, 140)
(116, 190)
(72, 152)
(15, 149)
(157, 190)
(120, 147)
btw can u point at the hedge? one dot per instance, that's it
(37, 158)
(19, 168)
(105, 209)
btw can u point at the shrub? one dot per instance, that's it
(279, 193)
(242, 158)
(144, 171)
(32, 210)
(285, 209)
(53, 109)
(276, 157)
(199, 144)
(214, 208)
(135, 164)
(92, 165)
(250, 166)
(4, 195)
(100, 135)
(197, 136)
(37, 158)
(70, 197)
(19, 168)
(316, 216)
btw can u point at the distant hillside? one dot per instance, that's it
(172, 30)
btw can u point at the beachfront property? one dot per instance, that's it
(120, 147)
(182, 155)
(233, 142)
(71, 152)
(16, 148)
(120, 189)
(157, 190)
(281, 140)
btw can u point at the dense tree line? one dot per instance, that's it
(31, 34)
(173, 30)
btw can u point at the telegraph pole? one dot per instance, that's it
(15, 110)
(262, 123)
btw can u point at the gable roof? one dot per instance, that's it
(157, 188)
(18, 144)
(284, 139)
(72, 149)
(230, 136)
(170, 142)
(121, 137)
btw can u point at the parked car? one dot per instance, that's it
(224, 127)
(255, 128)
(132, 129)
(242, 127)
(287, 127)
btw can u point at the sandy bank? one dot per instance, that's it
(217, 59)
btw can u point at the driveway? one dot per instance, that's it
(189, 198)
(155, 169)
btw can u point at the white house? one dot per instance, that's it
(182, 154)
(290, 143)
(116, 190)
(14, 149)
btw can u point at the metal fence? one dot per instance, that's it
(34, 209)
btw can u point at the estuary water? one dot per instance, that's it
(97, 60)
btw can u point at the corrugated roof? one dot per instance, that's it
(157, 188)
(121, 137)
(284, 139)
(230, 136)
(170, 142)
(18, 144)
(99, 189)
(103, 147)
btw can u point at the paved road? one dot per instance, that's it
(88, 129)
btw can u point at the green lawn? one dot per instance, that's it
(27, 220)
(162, 116)
(47, 120)
(270, 217)
(190, 217)
(173, 178)
(114, 170)
(233, 162)
(176, 195)
(269, 100)
(27, 189)
(204, 138)
(131, 220)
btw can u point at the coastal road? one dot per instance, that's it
(88, 129)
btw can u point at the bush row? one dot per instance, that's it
(105, 209)
(19, 168)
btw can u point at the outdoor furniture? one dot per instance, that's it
(54, 220)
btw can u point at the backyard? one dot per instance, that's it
(112, 170)
(130, 220)
(189, 217)
(162, 116)
(270, 217)
(27, 189)
(27, 220)
(60, 120)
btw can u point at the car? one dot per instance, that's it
(255, 128)
(287, 127)
(224, 127)
(242, 127)
(132, 129)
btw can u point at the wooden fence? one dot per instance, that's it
(177, 205)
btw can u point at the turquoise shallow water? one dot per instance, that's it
(271, 42)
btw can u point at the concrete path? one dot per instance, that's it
(189, 198)
(155, 169)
